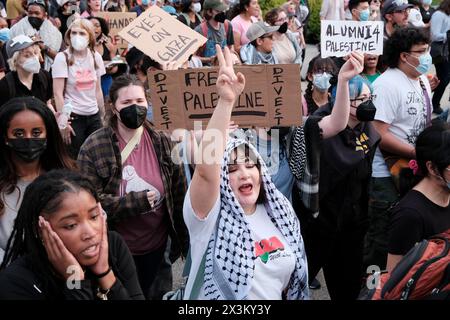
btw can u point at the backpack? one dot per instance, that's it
(423, 273)
(12, 84)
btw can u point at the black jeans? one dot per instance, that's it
(443, 73)
(382, 195)
(147, 266)
(83, 126)
(338, 253)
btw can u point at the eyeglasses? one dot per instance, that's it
(404, 11)
(364, 99)
(421, 51)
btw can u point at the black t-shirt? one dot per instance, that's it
(38, 89)
(426, 14)
(414, 219)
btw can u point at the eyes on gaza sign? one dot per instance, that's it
(162, 37)
(339, 38)
(272, 97)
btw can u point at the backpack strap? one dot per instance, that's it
(11, 84)
(65, 79)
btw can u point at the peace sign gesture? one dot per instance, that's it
(229, 85)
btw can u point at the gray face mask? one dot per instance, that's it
(32, 65)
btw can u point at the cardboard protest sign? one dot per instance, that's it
(162, 37)
(117, 21)
(339, 38)
(272, 97)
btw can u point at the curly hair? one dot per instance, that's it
(402, 40)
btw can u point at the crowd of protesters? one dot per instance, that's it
(94, 205)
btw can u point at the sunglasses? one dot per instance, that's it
(40, 2)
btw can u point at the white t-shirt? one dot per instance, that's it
(275, 260)
(81, 81)
(401, 103)
(12, 204)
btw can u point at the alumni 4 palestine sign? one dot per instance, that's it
(271, 97)
(162, 37)
(339, 38)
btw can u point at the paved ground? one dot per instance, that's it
(321, 294)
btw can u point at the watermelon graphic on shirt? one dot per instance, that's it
(265, 247)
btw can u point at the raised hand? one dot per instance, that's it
(352, 67)
(229, 85)
(102, 264)
(58, 255)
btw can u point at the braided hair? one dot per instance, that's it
(317, 64)
(43, 196)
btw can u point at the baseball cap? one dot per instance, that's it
(18, 43)
(391, 6)
(214, 4)
(258, 29)
(415, 18)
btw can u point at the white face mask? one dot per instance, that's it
(197, 6)
(32, 65)
(79, 43)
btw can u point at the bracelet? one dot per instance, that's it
(101, 275)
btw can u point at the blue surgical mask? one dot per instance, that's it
(145, 2)
(364, 15)
(425, 62)
(322, 81)
(427, 2)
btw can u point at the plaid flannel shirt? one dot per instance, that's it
(100, 160)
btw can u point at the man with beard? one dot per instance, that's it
(37, 26)
(395, 14)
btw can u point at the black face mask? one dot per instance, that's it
(28, 149)
(283, 28)
(35, 22)
(220, 17)
(366, 111)
(133, 116)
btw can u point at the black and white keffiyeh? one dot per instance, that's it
(230, 259)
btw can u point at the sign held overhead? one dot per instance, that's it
(339, 38)
(162, 37)
(272, 97)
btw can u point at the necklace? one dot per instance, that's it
(426, 105)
